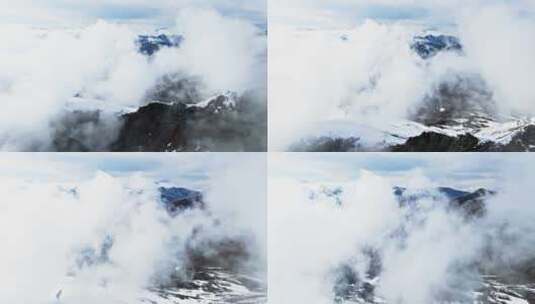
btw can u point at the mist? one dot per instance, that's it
(351, 79)
(106, 237)
(48, 72)
(321, 229)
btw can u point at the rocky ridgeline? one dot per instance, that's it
(522, 141)
(221, 124)
(150, 44)
(225, 122)
(211, 285)
(428, 46)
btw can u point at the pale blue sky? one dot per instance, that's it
(161, 13)
(462, 170)
(185, 169)
(333, 13)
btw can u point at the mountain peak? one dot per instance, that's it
(429, 45)
(150, 44)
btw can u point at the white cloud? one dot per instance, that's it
(496, 41)
(41, 70)
(47, 228)
(427, 252)
(364, 74)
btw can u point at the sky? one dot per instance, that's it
(466, 171)
(159, 13)
(181, 169)
(347, 13)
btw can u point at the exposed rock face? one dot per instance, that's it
(470, 204)
(225, 122)
(437, 142)
(210, 286)
(217, 126)
(429, 45)
(327, 144)
(150, 44)
(176, 199)
(406, 197)
(154, 127)
(491, 289)
(522, 141)
(496, 289)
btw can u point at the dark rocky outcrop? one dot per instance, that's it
(176, 199)
(470, 204)
(224, 123)
(429, 45)
(437, 142)
(150, 44)
(154, 127)
(438, 193)
(178, 127)
(327, 144)
(213, 285)
(522, 141)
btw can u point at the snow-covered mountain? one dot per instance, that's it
(210, 270)
(175, 116)
(429, 45)
(460, 114)
(210, 286)
(112, 73)
(489, 289)
(507, 283)
(150, 44)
